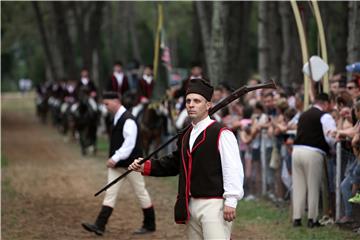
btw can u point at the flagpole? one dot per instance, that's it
(157, 41)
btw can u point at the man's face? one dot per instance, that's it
(111, 105)
(147, 71)
(327, 106)
(84, 74)
(334, 87)
(269, 102)
(118, 68)
(216, 96)
(196, 71)
(357, 113)
(253, 82)
(197, 107)
(352, 89)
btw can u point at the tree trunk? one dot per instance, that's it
(354, 32)
(58, 62)
(79, 10)
(93, 35)
(291, 54)
(214, 39)
(197, 54)
(275, 41)
(336, 32)
(218, 49)
(237, 38)
(205, 30)
(263, 41)
(286, 37)
(45, 43)
(109, 41)
(133, 33)
(65, 44)
(123, 28)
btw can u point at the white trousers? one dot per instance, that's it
(137, 183)
(207, 220)
(307, 170)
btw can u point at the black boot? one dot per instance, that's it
(313, 224)
(148, 223)
(297, 223)
(99, 227)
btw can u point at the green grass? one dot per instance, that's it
(4, 161)
(276, 224)
(7, 190)
(103, 144)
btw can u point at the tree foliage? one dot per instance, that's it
(52, 40)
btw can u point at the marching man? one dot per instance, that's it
(118, 81)
(124, 148)
(210, 171)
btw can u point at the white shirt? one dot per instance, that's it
(148, 78)
(129, 133)
(85, 81)
(328, 125)
(119, 77)
(232, 169)
(195, 77)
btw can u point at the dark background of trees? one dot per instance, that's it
(54, 40)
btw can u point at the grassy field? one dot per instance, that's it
(276, 224)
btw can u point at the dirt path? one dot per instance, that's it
(48, 187)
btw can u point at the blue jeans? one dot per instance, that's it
(346, 193)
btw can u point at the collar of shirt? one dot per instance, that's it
(318, 107)
(119, 77)
(118, 114)
(147, 78)
(197, 129)
(85, 81)
(194, 77)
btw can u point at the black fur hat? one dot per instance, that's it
(200, 86)
(111, 95)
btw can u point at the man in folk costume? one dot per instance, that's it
(119, 81)
(146, 84)
(314, 139)
(145, 90)
(196, 72)
(210, 171)
(86, 88)
(86, 83)
(124, 148)
(70, 97)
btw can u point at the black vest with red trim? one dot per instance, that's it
(117, 139)
(113, 85)
(145, 89)
(200, 172)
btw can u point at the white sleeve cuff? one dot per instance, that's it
(231, 202)
(115, 157)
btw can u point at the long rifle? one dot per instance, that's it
(233, 96)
